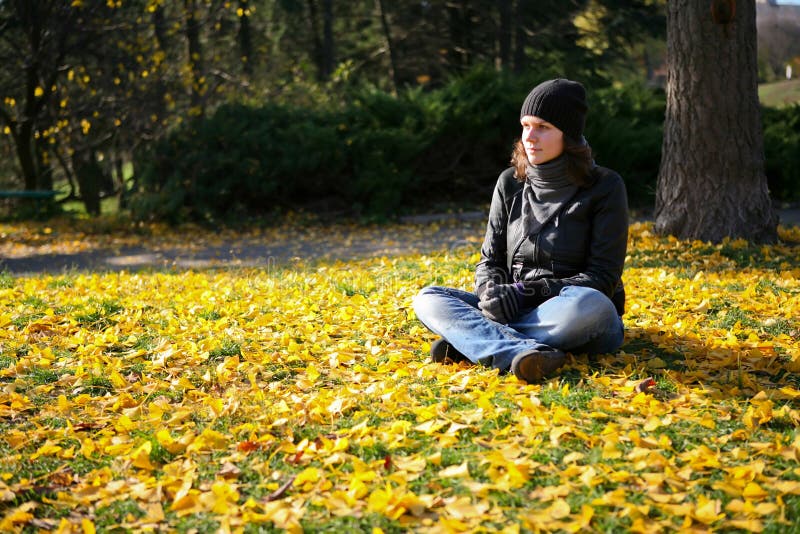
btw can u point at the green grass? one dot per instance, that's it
(778, 94)
(228, 348)
(383, 403)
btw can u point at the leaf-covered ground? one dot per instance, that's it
(300, 397)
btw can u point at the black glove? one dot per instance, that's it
(534, 292)
(500, 302)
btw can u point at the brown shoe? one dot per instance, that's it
(534, 365)
(442, 351)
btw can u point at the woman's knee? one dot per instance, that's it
(435, 301)
(425, 302)
(425, 294)
(587, 303)
(576, 315)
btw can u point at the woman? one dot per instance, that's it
(549, 278)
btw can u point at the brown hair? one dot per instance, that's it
(579, 161)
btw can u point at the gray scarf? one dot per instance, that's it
(547, 188)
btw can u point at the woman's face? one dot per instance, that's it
(542, 140)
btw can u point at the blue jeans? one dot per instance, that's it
(578, 320)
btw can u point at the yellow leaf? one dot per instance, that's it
(413, 464)
(431, 426)
(141, 456)
(336, 406)
(386, 502)
(165, 439)
(558, 510)
(48, 449)
(312, 373)
(284, 516)
(572, 457)
(549, 493)
(221, 499)
(557, 432)
(708, 511)
(455, 471)
(610, 451)
(790, 392)
(187, 503)
(749, 525)
(754, 492)
(787, 487)
(462, 508)
(310, 474)
(589, 477)
(208, 440)
(652, 423)
(17, 516)
(117, 380)
(154, 512)
(124, 424)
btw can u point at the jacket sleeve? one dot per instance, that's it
(492, 266)
(606, 251)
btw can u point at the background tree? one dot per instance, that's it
(37, 37)
(711, 183)
(86, 84)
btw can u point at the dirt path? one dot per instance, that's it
(98, 252)
(63, 251)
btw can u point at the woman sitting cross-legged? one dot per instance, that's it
(550, 276)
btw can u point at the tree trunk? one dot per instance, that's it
(327, 39)
(25, 139)
(160, 28)
(504, 7)
(711, 183)
(313, 19)
(387, 35)
(44, 180)
(245, 39)
(89, 176)
(520, 36)
(27, 161)
(460, 20)
(195, 56)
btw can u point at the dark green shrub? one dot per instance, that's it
(376, 155)
(477, 118)
(384, 136)
(381, 155)
(625, 130)
(782, 151)
(241, 160)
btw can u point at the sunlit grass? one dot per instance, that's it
(301, 397)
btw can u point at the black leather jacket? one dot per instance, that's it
(583, 244)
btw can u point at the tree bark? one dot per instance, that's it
(24, 137)
(387, 35)
(27, 162)
(89, 176)
(459, 55)
(520, 36)
(245, 39)
(711, 182)
(313, 19)
(160, 28)
(327, 39)
(195, 55)
(504, 32)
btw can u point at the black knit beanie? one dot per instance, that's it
(560, 102)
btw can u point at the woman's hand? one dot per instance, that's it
(500, 302)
